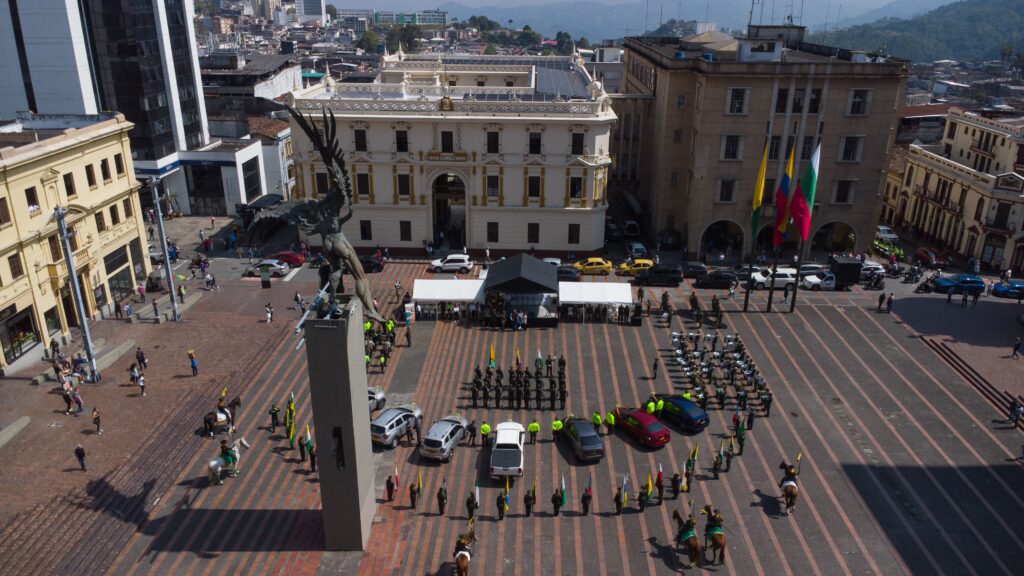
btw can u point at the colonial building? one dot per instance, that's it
(966, 193)
(84, 164)
(696, 113)
(492, 152)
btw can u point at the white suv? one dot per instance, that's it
(452, 263)
(782, 278)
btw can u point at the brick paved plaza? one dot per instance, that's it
(904, 469)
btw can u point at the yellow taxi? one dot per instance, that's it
(630, 267)
(594, 266)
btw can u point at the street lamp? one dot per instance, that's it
(154, 184)
(59, 214)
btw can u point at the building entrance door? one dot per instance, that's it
(449, 211)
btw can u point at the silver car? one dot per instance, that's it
(442, 438)
(391, 424)
(276, 268)
(376, 397)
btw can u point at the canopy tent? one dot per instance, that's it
(614, 293)
(448, 290)
(521, 274)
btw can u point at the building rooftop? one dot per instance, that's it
(266, 127)
(251, 64)
(925, 110)
(29, 131)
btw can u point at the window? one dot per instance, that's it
(363, 184)
(321, 184)
(737, 103)
(534, 143)
(860, 103)
(365, 230)
(492, 143)
(447, 141)
(773, 147)
(726, 191)
(90, 175)
(815, 104)
(481, 83)
(674, 178)
(808, 148)
(842, 192)
(115, 217)
(574, 233)
(127, 204)
(105, 170)
(677, 136)
(5, 212)
(910, 175)
(119, 164)
(14, 262)
(781, 100)
(577, 143)
(101, 222)
(680, 101)
(56, 254)
(493, 183)
(509, 83)
(769, 186)
(798, 101)
(401, 141)
(533, 233)
(732, 147)
(403, 184)
(452, 83)
(492, 232)
(360, 140)
(851, 148)
(576, 187)
(405, 231)
(32, 199)
(69, 185)
(533, 186)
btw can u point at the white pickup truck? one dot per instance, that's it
(507, 450)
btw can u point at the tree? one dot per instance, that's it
(407, 37)
(332, 12)
(563, 42)
(583, 42)
(490, 50)
(527, 38)
(368, 41)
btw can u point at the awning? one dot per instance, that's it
(448, 290)
(522, 274)
(594, 293)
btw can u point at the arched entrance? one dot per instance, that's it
(993, 250)
(764, 249)
(449, 211)
(722, 241)
(834, 237)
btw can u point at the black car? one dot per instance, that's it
(694, 270)
(659, 275)
(371, 264)
(585, 441)
(717, 280)
(568, 274)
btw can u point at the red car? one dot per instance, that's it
(294, 259)
(642, 426)
(931, 258)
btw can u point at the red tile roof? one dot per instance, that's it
(266, 127)
(925, 110)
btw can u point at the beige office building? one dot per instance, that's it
(84, 164)
(696, 112)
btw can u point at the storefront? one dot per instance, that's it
(18, 333)
(119, 274)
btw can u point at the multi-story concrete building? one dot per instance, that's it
(84, 164)
(258, 75)
(425, 18)
(509, 152)
(275, 136)
(312, 12)
(695, 116)
(966, 193)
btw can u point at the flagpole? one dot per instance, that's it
(796, 286)
(771, 281)
(750, 274)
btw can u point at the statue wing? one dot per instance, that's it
(305, 215)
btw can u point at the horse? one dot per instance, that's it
(216, 418)
(789, 494)
(717, 537)
(686, 535)
(463, 552)
(219, 465)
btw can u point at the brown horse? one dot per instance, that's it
(717, 538)
(789, 493)
(462, 559)
(688, 528)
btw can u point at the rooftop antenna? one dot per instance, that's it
(647, 6)
(661, 13)
(707, 11)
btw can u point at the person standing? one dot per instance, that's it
(140, 357)
(654, 369)
(562, 395)
(96, 420)
(471, 432)
(641, 500)
(76, 397)
(142, 384)
(881, 301)
(529, 500)
(413, 493)
(302, 450)
(1016, 349)
(618, 501)
(269, 310)
(485, 430)
(963, 300)
(585, 501)
(66, 395)
(181, 293)
(659, 484)
(274, 412)
(888, 303)
(312, 457)
(142, 292)
(442, 500)
(501, 505)
(80, 455)
(408, 336)
(389, 485)
(193, 362)
(533, 428)
(785, 294)
(609, 422)
(750, 419)
(556, 501)
(471, 506)
(974, 299)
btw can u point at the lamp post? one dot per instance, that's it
(59, 215)
(154, 185)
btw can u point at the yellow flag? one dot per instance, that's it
(224, 392)
(650, 487)
(419, 481)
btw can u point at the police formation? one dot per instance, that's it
(378, 343)
(539, 388)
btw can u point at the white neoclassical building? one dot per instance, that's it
(507, 153)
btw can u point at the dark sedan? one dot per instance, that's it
(1011, 289)
(567, 274)
(583, 437)
(659, 275)
(717, 280)
(695, 270)
(959, 284)
(685, 414)
(371, 264)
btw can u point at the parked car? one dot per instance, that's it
(613, 232)
(959, 283)
(584, 438)
(442, 438)
(808, 268)
(568, 274)
(630, 229)
(780, 278)
(684, 413)
(637, 250)
(717, 280)
(1011, 289)
(294, 259)
(886, 234)
(556, 262)
(821, 281)
(507, 450)
(371, 264)
(452, 263)
(931, 258)
(659, 275)
(694, 270)
(393, 423)
(631, 267)
(277, 268)
(868, 268)
(377, 397)
(642, 426)
(594, 266)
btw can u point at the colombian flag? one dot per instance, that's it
(782, 202)
(506, 493)
(802, 204)
(625, 489)
(492, 355)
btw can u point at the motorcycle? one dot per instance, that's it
(875, 281)
(894, 271)
(924, 287)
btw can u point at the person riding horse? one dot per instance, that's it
(223, 409)
(715, 523)
(226, 453)
(790, 473)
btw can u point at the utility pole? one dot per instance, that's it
(59, 214)
(154, 186)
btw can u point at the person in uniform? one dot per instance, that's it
(609, 421)
(659, 484)
(585, 501)
(474, 392)
(533, 428)
(526, 395)
(561, 364)
(485, 430)
(562, 394)
(413, 493)
(442, 500)
(487, 396)
(548, 364)
(556, 501)
(501, 505)
(529, 499)
(677, 485)
(389, 485)
(556, 428)
(641, 500)
(716, 466)
(618, 501)
(471, 506)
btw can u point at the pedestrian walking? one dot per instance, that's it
(302, 451)
(118, 312)
(66, 395)
(156, 310)
(181, 293)
(408, 336)
(659, 484)
(193, 362)
(881, 301)
(654, 369)
(140, 357)
(716, 466)
(141, 289)
(750, 419)
(413, 493)
(142, 384)
(389, 485)
(442, 500)
(96, 420)
(416, 427)
(127, 310)
(974, 300)
(1016, 349)
(80, 455)
(269, 309)
(785, 293)
(888, 303)
(312, 458)
(677, 485)
(963, 300)
(76, 397)
(274, 415)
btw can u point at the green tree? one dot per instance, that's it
(368, 41)
(563, 42)
(527, 38)
(490, 50)
(407, 37)
(583, 42)
(332, 12)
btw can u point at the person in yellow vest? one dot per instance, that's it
(485, 430)
(556, 428)
(609, 421)
(687, 395)
(651, 406)
(533, 428)
(659, 406)
(596, 419)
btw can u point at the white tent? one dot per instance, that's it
(448, 290)
(594, 293)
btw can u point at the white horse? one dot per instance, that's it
(218, 465)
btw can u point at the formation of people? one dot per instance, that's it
(379, 343)
(541, 386)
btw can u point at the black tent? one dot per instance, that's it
(521, 274)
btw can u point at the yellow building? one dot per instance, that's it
(82, 163)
